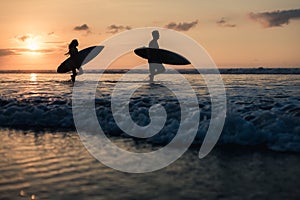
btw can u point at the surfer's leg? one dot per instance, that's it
(160, 69)
(73, 76)
(151, 78)
(151, 71)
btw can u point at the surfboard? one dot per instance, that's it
(84, 56)
(161, 56)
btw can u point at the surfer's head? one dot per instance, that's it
(155, 34)
(74, 43)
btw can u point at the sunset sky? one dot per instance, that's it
(236, 33)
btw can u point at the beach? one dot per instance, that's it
(257, 155)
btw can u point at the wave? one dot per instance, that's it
(273, 125)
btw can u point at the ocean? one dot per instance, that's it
(256, 157)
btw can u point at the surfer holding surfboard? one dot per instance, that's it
(155, 66)
(73, 52)
(78, 59)
(157, 57)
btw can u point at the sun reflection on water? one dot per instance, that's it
(33, 77)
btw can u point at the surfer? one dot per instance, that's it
(154, 66)
(73, 52)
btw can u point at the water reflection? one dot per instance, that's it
(57, 166)
(33, 77)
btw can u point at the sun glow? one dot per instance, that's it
(32, 45)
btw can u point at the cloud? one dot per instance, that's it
(275, 18)
(83, 27)
(19, 51)
(115, 28)
(7, 52)
(23, 38)
(182, 26)
(223, 22)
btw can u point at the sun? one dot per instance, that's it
(32, 45)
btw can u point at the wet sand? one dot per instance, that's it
(55, 165)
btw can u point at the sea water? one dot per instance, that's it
(41, 153)
(262, 109)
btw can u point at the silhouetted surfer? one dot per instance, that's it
(155, 67)
(73, 52)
